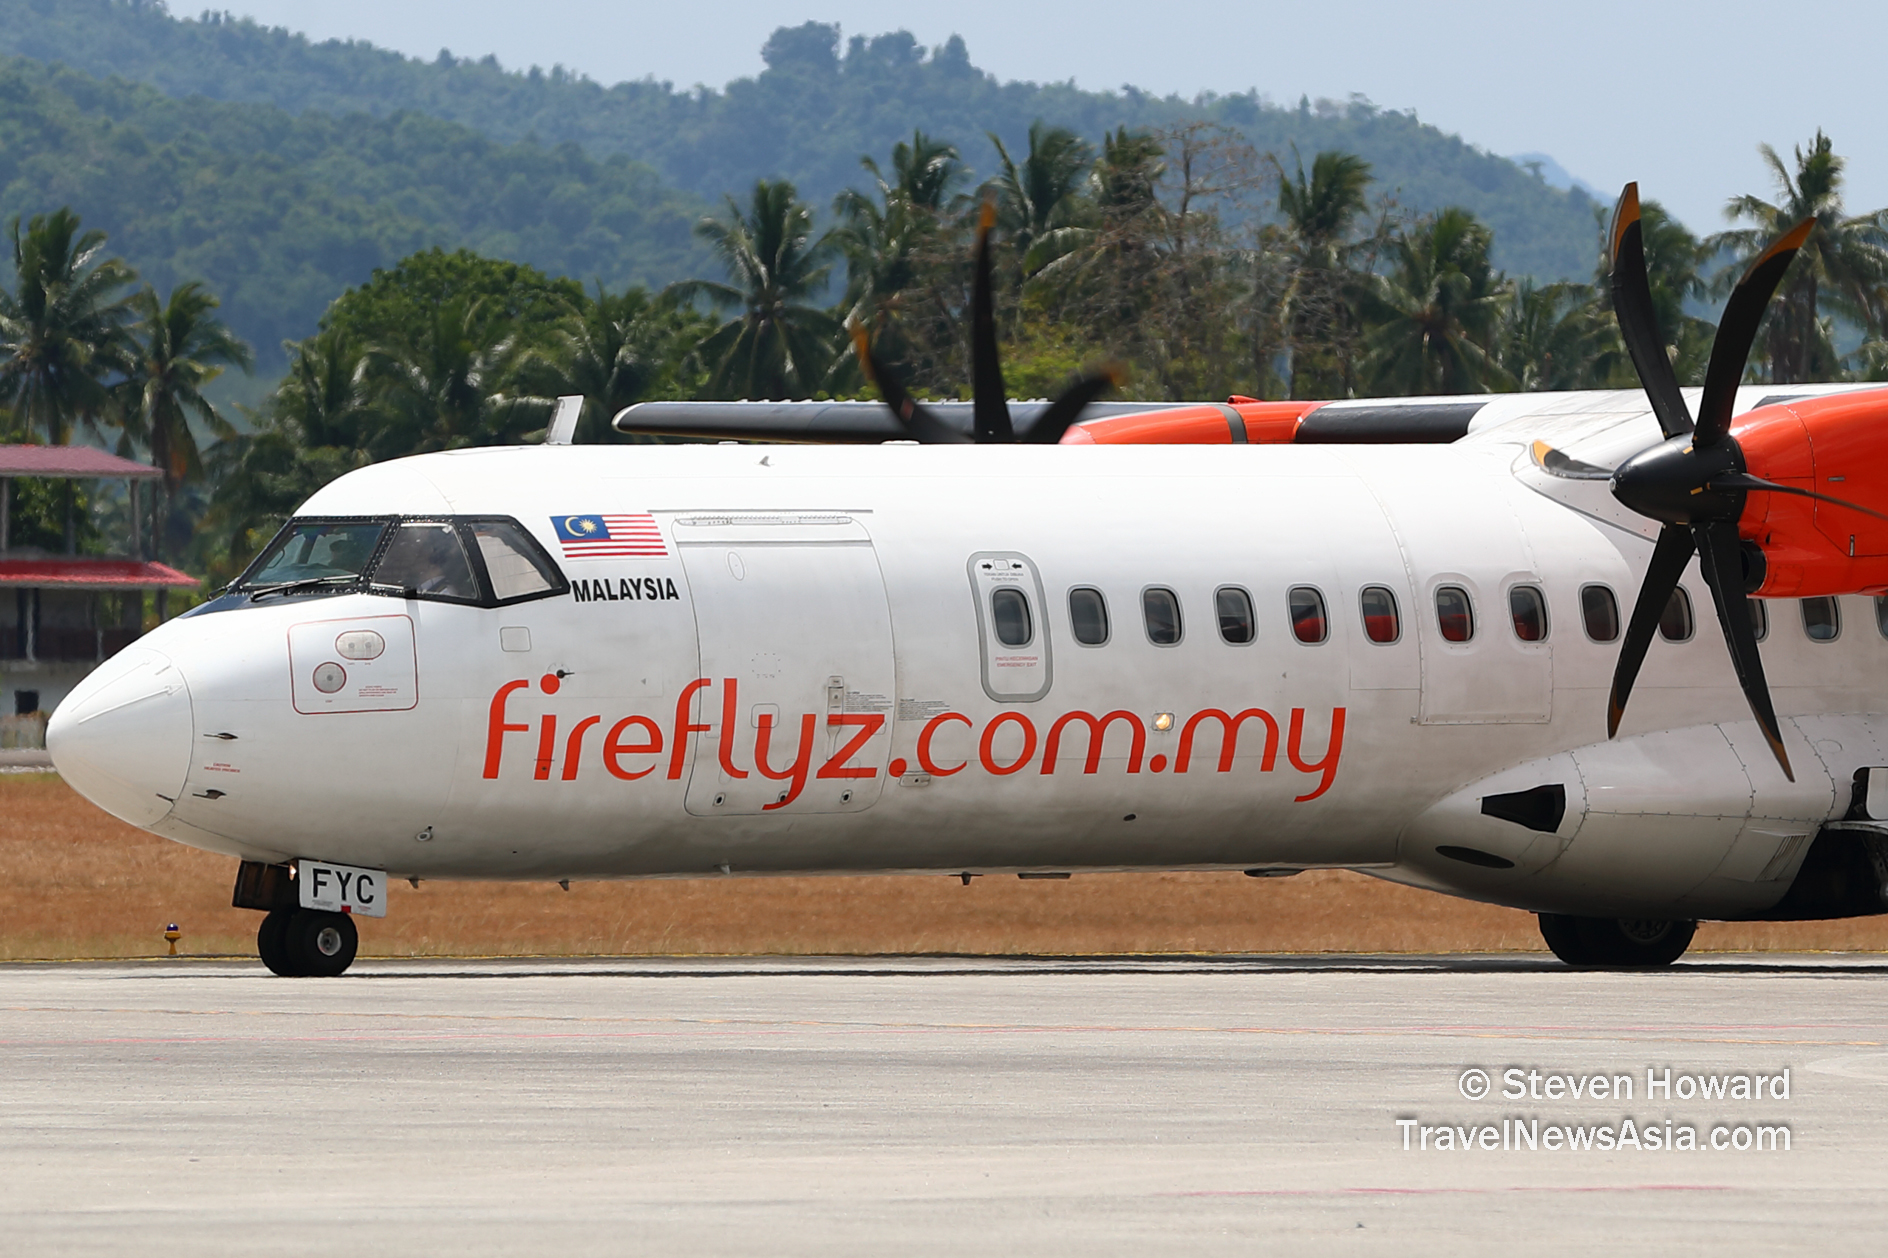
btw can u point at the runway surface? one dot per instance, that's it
(737, 1107)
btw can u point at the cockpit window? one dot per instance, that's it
(515, 564)
(426, 558)
(319, 552)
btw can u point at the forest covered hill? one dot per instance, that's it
(809, 116)
(279, 212)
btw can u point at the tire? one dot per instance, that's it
(272, 943)
(1562, 934)
(321, 945)
(1635, 943)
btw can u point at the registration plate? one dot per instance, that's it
(342, 888)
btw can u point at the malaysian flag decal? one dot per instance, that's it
(609, 536)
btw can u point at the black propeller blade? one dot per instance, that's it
(989, 396)
(1695, 482)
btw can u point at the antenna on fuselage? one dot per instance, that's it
(563, 426)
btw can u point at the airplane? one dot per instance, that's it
(1401, 642)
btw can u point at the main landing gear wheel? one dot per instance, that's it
(1616, 943)
(306, 943)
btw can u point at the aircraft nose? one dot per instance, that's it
(122, 738)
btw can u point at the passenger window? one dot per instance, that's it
(1822, 621)
(1161, 609)
(1600, 610)
(1529, 610)
(1009, 617)
(425, 558)
(1675, 623)
(1308, 623)
(1455, 616)
(515, 564)
(1088, 616)
(1381, 623)
(1234, 606)
(1760, 618)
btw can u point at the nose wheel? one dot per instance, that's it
(306, 943)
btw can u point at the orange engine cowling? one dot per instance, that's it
(1829, 445)
(1236, 421)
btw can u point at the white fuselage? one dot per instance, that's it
(836, 604)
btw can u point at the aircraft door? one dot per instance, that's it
(796, 647)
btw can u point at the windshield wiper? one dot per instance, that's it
(306, 583)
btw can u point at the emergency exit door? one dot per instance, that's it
(792, 622)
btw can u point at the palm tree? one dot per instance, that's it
(1842, 266)
(780, 344)
(1316, 309)
(445, 388)
(1432, 321)
(1560, 336)
(62, 326)
(884, 241)
(609, 351)
(177, 347)
(1044, 194)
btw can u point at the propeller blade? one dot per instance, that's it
(1744, 480)
(1669, 558)
(1069, 404)
(918, 421)
(992, 409)
(1723, 571)
(1565, 466)
(1632, 306)
(1730, 350)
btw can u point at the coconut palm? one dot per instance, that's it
(176, 348)
(1316, 309)
(1043, 194)
(62, 326)
(609, 351)
(884, 240)
(1432, 322)
(446, 387)
(1841, 268)
(780, 344)
(1560, 336)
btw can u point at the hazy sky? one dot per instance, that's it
(1674, 94)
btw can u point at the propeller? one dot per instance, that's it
(1694, 482)
(989, 398)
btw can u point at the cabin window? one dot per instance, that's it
(1009, 617)
(426, 560)
(1160, 607)
(1308, 622)
(1381, 622)
(1236, 622)
(1600, 611)
(514, 563)
(1528, 607)
(1822, 620)
(1760, 619)
(1455, 615)
(1675, 622)
(1088, 616)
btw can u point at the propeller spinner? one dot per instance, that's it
(1694, 482)
(991, 407)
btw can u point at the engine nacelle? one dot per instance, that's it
(1834, 445)
(1236, 421)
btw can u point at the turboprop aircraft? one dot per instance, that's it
(1396, 637)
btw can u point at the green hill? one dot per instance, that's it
(808, 116)
(280, 212)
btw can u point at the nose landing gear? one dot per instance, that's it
(294, 942)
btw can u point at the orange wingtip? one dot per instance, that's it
(1625, 214)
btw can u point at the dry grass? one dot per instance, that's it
(74, 882)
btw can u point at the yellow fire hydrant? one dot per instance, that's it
(172, 934)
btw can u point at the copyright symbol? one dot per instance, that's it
(1473, 1083)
